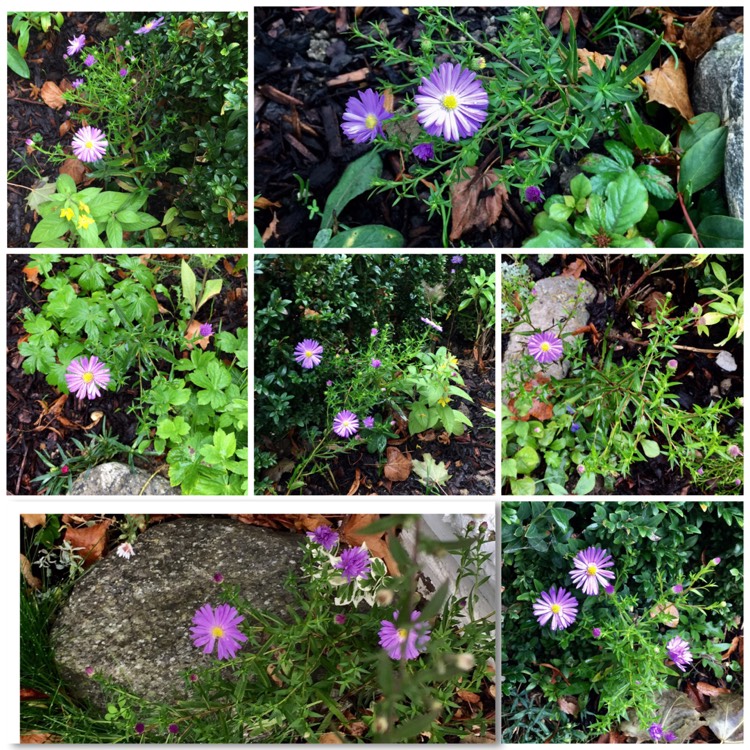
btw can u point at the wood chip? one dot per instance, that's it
(352, 77)
(270, 92)
(299, 147)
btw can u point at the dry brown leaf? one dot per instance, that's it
(668, 86)
(398, 466)
(270, 671)
(738, 24)
(668, 609)
(352, 77)
(575, 269)
(39, 738)
(569, 17)
(270, 230)
(706, 688)
(697, 699)
(29, 577)
(261, 202)
(75, 168)
(65, 127)
(52, 95)
(698, 37)
(29, 694)
(355, 484)
(569, 704)
(470, 208)
(330, 738)
(376, 543)
(89, 541)
(32, 520)
(163, 310)
(585, 58)
(732, 647)
(192, 330)
(465, 695)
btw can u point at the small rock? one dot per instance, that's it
(726, 361)
(118, 479)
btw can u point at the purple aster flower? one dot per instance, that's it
(125, 550)
(678, 650)
(590, 570)
(596, 632)
(325, 536)
(457, 260)
(140, 728)
(78, 82)
(151, 25)
(85, 376)
(559, 605)
(734, 451)
(609, 588)
(353, 563)
(206, 329)
(545, 347)
(407, 642)
(669, 736)
(89, 61)
(212, 627)
(423, 151)
(672, 364)
(655, 731)
(363, 117)
(173, 728)
(307, 353)
(534, 194)
(374, 332)
(345, 423)
(575, 427)
(376, 363)
(123, 72)
(433, 324)
(218, 577)
(76, 44)
(677, 588)
(368, 422)
(452, 103)
(89, 144)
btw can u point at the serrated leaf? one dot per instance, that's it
(40, 193)
(627, 203)
(656, 182)
(429, 472)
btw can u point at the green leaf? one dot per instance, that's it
(172, 213)
(525, 486)
(585, 484)
(693, 130)
(627, 203)
(656, 182)
(105, 203)
(599, 164)
(651, 448)
(134, 221)
(211, 289)
(560, 211)
(580, 187)
(721, 231)
(702, 163)
(556, 489)
(527, 459)
(49, 229)
(683, 239)
(65, 184)
(172, 429)
(620, 152)
(369, 235)
(188, 283)
(16, 63)
(640, 63)
(114, 232)
(509, 468)
(561, 516)
(419, 417)
(357, 178)
(552, 239)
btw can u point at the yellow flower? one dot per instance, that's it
(84, 222)
(452, 361)
(83, 207)
(444, 401)
(67, 213)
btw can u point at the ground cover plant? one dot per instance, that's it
(360, 656)
(622, 622)
(650, 397)
(374, 373)
(139, 358)
(465, 127)
(127, 130)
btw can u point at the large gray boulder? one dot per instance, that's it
(130, 619)
(119, 479)
(719, 82)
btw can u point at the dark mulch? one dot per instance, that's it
(33, 425)
(701, 379)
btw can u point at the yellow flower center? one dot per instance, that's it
(449, 102)
(149, 24)
(591, 570)
(545, 347)
(555, 609)
(87, 377)
(345, 423)
(308, 353)
(371, 122)
(217, 632)
(88, 144)
(402, 633)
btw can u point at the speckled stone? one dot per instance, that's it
(130, 619)
(119, 479)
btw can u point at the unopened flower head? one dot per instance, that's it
(125, 550)
(596, 632)
(123, 72)
(308, 353)
(218, 628)
(368, 422)
(408, 641)
(376, 363)
(76, 44)
(345, 423)
(452, 103)
(677, 588)
(86, 376)
(672, 364)
(363, 118)
(533, 194)
(734, 451)
(325, 536)
(173, 728)
(655, 732)
(590, 569)
(545, 347)
(373, 332)
(140, 728)
(432, 323)
(206, 330)
(89, 144)
(353, 563)
(151, 25)
(678, 650)
(424, 151)
(558, 605)
(89, 61)
(339, 619)
(218, 577)
(78, 82)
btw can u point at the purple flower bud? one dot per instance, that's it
(672, 363)
(534, 194)
(596, 632)
(575, 427)
(339, 619)
(716, 560)
(609, 588)
(580, 468)
(218, 577)
(677, 588)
